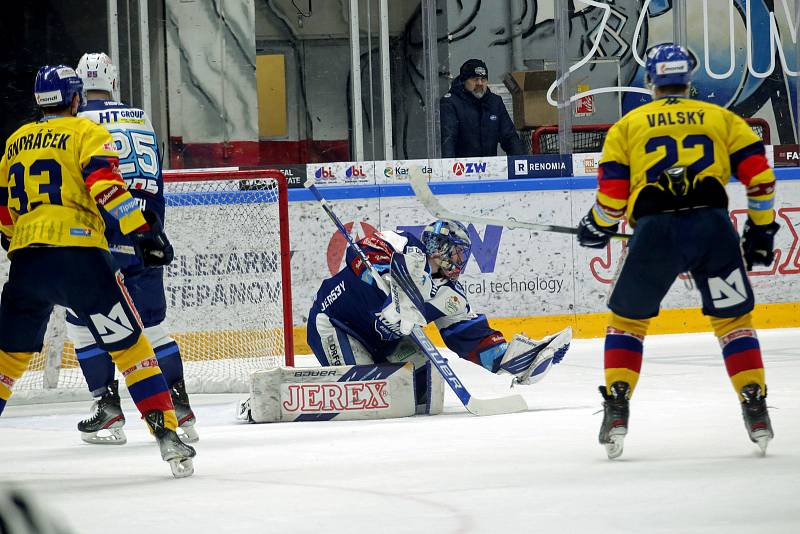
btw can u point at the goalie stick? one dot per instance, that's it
(399, 272)
(423, 192)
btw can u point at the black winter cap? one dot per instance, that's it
(474, 68)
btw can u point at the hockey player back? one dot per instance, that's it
(665, 166)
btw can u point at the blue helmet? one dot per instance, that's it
(55, 86)
(448, 242)
(669, 64)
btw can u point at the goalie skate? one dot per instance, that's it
(533, 363)
(104, 426)
(756, 416)
(184, 413)
(615, 418)
(173, 451)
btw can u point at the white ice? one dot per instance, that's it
(688, 465)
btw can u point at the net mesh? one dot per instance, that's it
(544, 140)
(224, 290)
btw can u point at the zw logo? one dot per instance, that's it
(114, 327)
(728, 292)
(355, 172)
(324, 173)
(337, 397)
(460, 169)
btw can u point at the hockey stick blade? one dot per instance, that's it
(423, 192)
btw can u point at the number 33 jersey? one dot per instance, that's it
(710, 142)
(52, 175)
(139, 163)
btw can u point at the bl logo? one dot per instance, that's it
(355, 171)
(324, 173)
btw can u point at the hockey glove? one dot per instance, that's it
(151, 242)
(398, 316)
(5, 242)
(592, 235)
(758, 243)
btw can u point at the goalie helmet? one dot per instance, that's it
(99, 73)
(669, 64)
(56, 85)
(448, 242)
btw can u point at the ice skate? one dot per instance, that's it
(615, 418)
(104, 426)
(530, 360)
(756, 416)
(173, 451)
(184, 413)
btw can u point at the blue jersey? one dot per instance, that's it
(139, 164)
(352, 300)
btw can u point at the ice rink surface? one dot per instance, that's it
(688, 466)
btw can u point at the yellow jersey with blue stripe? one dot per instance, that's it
(709, 141)
(53, 175)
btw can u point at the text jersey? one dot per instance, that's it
(139, 164)
(711, 142)
(50, 175)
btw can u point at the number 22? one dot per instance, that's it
(671, 154)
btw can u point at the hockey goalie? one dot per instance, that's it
(353, 322)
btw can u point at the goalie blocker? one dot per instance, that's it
(343, 392)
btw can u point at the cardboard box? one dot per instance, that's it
(529, 93)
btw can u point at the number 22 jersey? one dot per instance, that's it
(711, 142)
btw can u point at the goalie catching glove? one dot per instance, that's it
(399, 315)
(151, 242)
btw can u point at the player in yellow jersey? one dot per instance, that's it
(665, 166)
(54, 174)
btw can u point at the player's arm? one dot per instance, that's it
(613, 190)
(448, 118)
(6, 223)
(100, 165)
(750, 166)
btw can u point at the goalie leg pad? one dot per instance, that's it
(343, 392)
(428, 383)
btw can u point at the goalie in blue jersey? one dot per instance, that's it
(352, 321)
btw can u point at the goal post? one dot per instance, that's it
(228, 291)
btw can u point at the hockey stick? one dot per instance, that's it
(423, 192)
(399, 272)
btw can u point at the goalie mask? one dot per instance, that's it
(448, 242)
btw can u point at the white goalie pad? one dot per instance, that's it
(345, 392)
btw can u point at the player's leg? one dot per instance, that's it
(648, 271)
(728, 300)
(332, 344)
(108, 311)
(146, 287)
(105, 422)
(24, 312)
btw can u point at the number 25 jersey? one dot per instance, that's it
(711, 142)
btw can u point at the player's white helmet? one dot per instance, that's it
(99, 73)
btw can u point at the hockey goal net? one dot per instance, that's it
(544, 140)
(228, 291)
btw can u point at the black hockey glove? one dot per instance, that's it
(152, 244)
(758, 243)
(592, 235)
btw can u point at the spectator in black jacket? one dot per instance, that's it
(474, 119)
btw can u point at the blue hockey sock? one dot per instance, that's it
(97, 368)
(169, 359)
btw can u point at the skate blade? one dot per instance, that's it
(181, 467)
(614, 448)
(762, 443)
(188, 434)
(114, 436)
